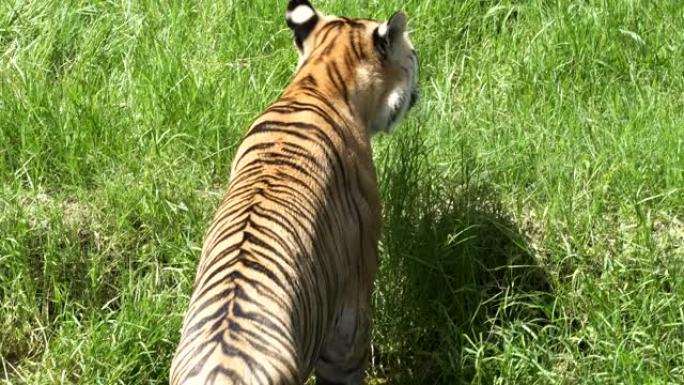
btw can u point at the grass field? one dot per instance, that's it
(534, 200)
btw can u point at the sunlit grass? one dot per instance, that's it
(534, 200)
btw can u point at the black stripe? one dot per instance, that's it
(325, 30)
(354, 42)
(340, 80)
(255, 147)
(316, 94)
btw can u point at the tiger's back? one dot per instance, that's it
(287, 267)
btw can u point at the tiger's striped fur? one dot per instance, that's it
(285, 278)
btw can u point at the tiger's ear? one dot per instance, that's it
(301, 17)
(387, 34)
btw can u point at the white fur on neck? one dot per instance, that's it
(301, 14)
(395, 99)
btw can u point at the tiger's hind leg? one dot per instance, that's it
(344, 356)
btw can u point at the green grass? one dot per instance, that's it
(534, 200)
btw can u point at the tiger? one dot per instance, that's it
(284, 284)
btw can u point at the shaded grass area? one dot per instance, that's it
(533, 201)
(458, 267)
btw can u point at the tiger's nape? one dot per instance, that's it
(286, 273)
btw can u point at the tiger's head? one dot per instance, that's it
(369, 64)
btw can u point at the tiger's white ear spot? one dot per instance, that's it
(301, 14)
(382, 30)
